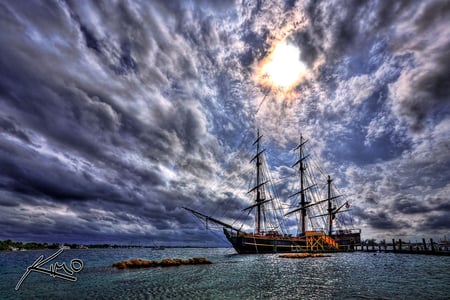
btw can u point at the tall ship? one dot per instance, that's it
(314, 217)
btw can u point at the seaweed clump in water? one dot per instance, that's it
(167, 262)
(303, 255)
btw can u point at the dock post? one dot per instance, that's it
(400, 245)
(432, 245)
(393, 245)
(424, 245)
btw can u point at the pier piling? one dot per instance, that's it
(442, 248)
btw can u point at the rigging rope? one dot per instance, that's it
(277, 204)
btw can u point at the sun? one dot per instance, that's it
(282, 68)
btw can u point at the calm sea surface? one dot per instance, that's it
(231, 276)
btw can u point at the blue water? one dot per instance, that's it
(265, 276)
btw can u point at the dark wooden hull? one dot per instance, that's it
(347, 239)
(245, 243)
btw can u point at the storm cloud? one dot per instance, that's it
(115, 115)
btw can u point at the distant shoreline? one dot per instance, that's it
(10, 245)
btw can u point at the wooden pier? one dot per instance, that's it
(399, 246)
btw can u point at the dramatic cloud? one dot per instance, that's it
(115, 115)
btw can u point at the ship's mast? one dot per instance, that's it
(259, 184)
(330, 208)
(302, 169)
(258, 180)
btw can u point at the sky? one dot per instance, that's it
(116, 114)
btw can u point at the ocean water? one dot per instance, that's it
(265, 276)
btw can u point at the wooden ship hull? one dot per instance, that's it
(249, 243)
(347, 239)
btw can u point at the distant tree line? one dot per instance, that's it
(371, 242)
(9, 245)
(12, 245)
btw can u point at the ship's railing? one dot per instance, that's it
(314, 233)
(345, 231)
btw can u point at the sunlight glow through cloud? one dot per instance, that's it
(283, 68)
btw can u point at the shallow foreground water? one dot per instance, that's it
(231, 276)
